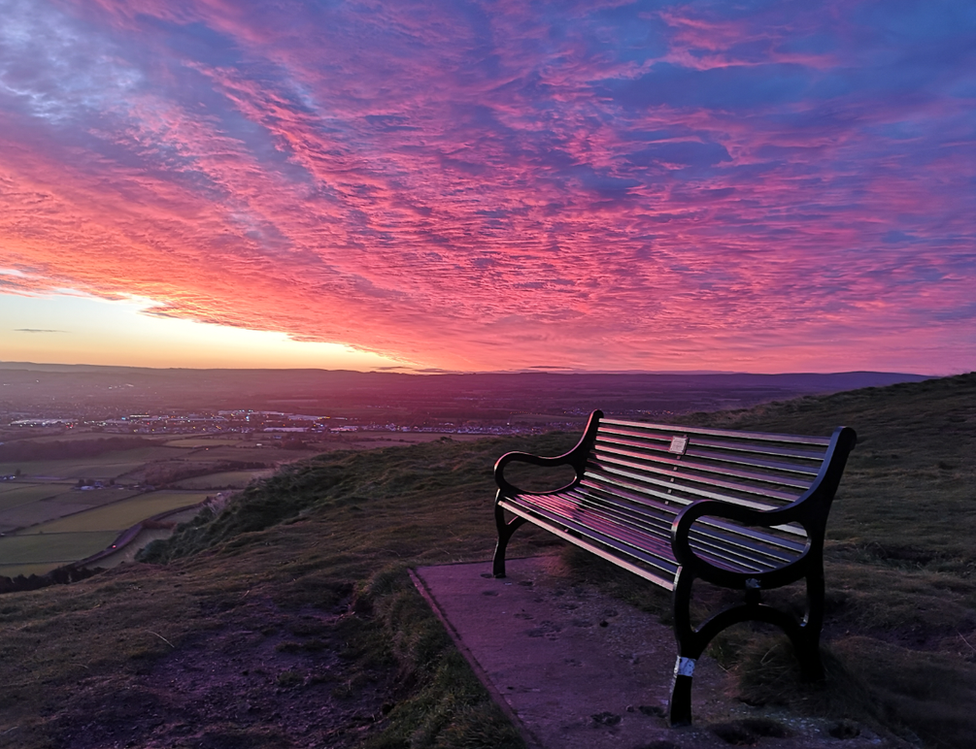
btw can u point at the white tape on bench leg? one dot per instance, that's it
(684, 666)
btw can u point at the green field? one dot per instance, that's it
(40, 504)
(117, 516)
(45, 546)
(265, 453)
(15, 494)
(101, 467)
(37, 554)
(224, 480)
(59, 524)
(81, 436)
(193, 442)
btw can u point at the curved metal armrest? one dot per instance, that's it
(575, 457)
(536, 460)
(681, 528)
(809, 510)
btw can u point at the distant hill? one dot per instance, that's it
(410, 398)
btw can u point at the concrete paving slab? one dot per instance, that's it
(576, 669)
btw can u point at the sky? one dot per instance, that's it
(490, 185)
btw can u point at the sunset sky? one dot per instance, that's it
(441, 185)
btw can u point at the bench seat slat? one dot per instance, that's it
(722, 544)
(647, 548)
(658, 519)
(731, 546)
(612, 484)
(656, 569)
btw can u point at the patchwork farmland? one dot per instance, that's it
(57, 511)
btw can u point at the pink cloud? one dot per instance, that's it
(487, 188)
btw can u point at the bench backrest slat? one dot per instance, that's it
(689, 480)
(681, 464)
(614, 484)
(805, 465)
(641, 426)
(745, 451)
(638, 471)
(776, 475)
(659, 441)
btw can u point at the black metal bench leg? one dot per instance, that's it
(689, 649)
(692, 642)
(505, 531)
(679, 706)
(808, 645)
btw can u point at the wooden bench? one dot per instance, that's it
(673, 504)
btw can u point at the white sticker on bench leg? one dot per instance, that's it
(684, 666)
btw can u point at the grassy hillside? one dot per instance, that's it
(900, 558)
(289, 619)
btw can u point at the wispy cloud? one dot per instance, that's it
(651, 185)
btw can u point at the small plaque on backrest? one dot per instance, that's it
(678, 444)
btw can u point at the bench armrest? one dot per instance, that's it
(575, 458)
(520, 457)
(809, 511)
(793, 513)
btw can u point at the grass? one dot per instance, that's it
(338, 532)
(304, 539)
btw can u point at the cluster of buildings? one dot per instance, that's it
(248, 422)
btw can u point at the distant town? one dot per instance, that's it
(271, 424)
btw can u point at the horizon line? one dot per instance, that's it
(436, 372)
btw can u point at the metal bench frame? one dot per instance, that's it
(672, 504)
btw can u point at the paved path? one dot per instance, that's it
(578, 670)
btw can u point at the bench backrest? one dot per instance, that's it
(677, 465)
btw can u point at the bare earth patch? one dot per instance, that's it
(264, 678)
